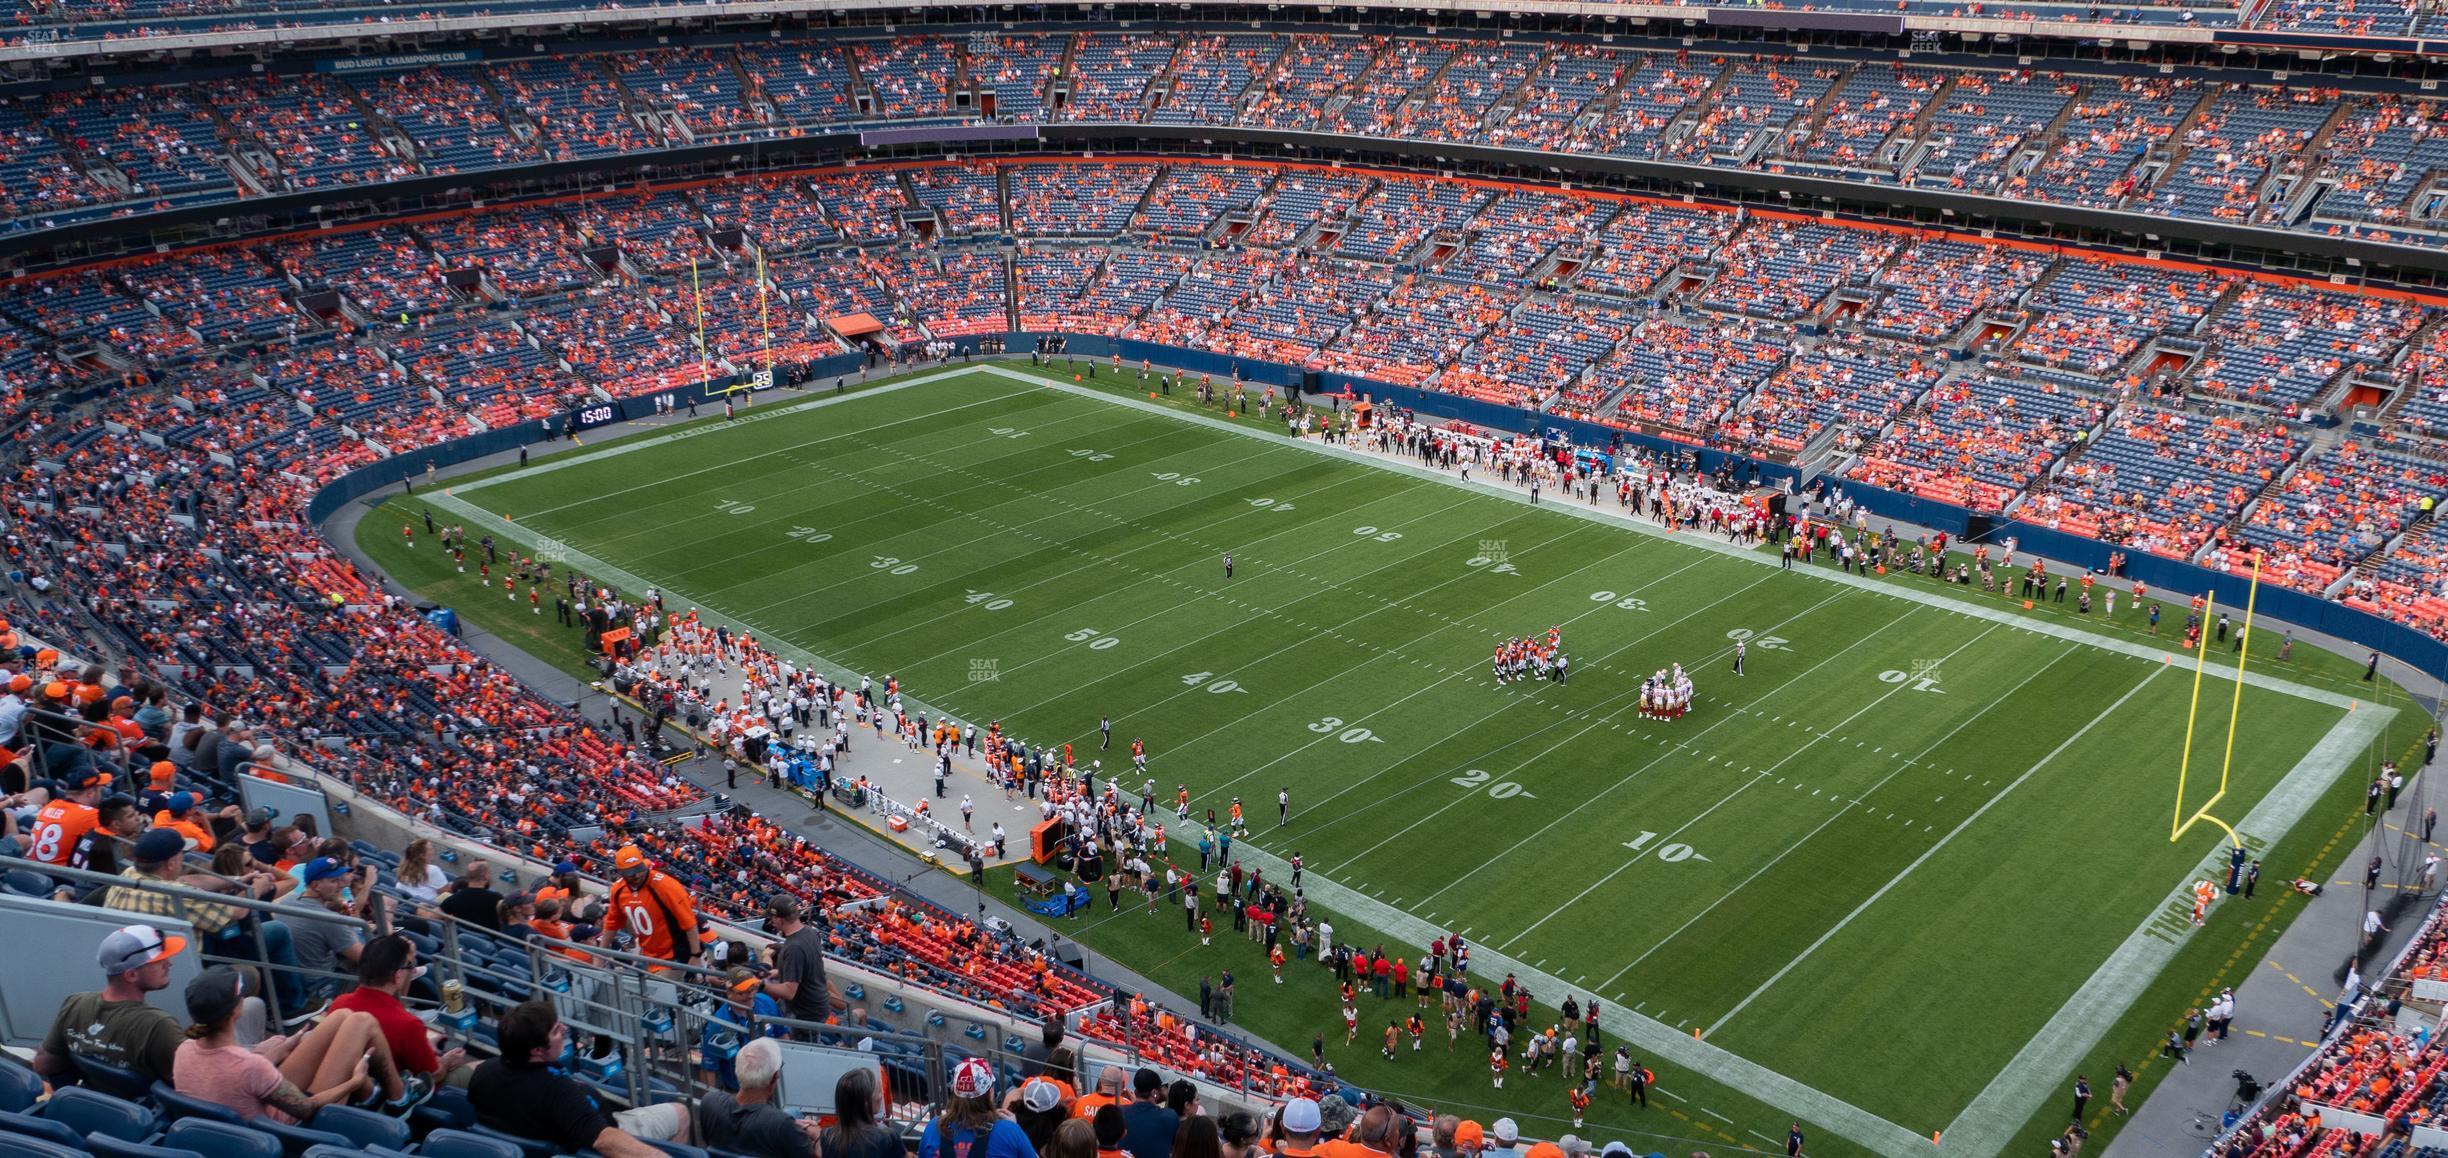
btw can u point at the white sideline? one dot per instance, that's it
(2011, 1096)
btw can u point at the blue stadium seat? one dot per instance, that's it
(29, 1126)
(26, 883)
(348, 1152)
(675, 1149)
(364, 1127)
(21, 1146)
(105, 1146)
(88, 1112)
(20, 1087)
(531, 1147)
(295, 1141)
(448, 1109)
(462, 1144)
(221, 1139)
(117, 1081)
(176, 1105)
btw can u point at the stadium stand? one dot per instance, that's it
(1977, 440)
(1782, 272)
(1553, 100)
(1312, 71)
(806, 86)
(1870, 107)
(966, 198)
(452, 117)
(2111, 127)
(1937, 286)
(2341, 504)
(1685, 375)
(1211, 74)
(573, 107)
(2164, 481)
(1861, 383)
(1013, 74)
(1111, 71)
(909, 76)
(1984, 120)
(1752, 103)
(2299, 157)
(1370, 108)
(1062, 201)
(1191, 199)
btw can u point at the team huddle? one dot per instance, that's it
(1666, 695)
(1519, 659)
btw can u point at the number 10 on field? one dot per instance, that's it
(1670, 853)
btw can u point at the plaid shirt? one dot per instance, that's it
(209, 919)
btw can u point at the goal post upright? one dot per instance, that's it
(2243, 654)
(2178, 822)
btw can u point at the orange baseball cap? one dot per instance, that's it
(1545, 1150)
(87, 693)
(20, 682)
(628, 857)
(1469, 1134)
(46, 657)
(55, 690)
(163, 773)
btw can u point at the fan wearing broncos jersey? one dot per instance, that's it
(60, 829)
(654, 908)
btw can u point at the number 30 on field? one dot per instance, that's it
(1326, 727)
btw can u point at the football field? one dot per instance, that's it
(1896, 878)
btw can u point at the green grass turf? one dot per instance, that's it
(1504, 812)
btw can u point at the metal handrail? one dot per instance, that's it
(268, 910)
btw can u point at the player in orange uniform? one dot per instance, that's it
(654, 908)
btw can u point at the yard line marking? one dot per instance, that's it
(1942, 842)
(1806, 837)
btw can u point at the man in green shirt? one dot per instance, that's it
(115, 1026)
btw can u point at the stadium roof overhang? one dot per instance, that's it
(138, 41)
